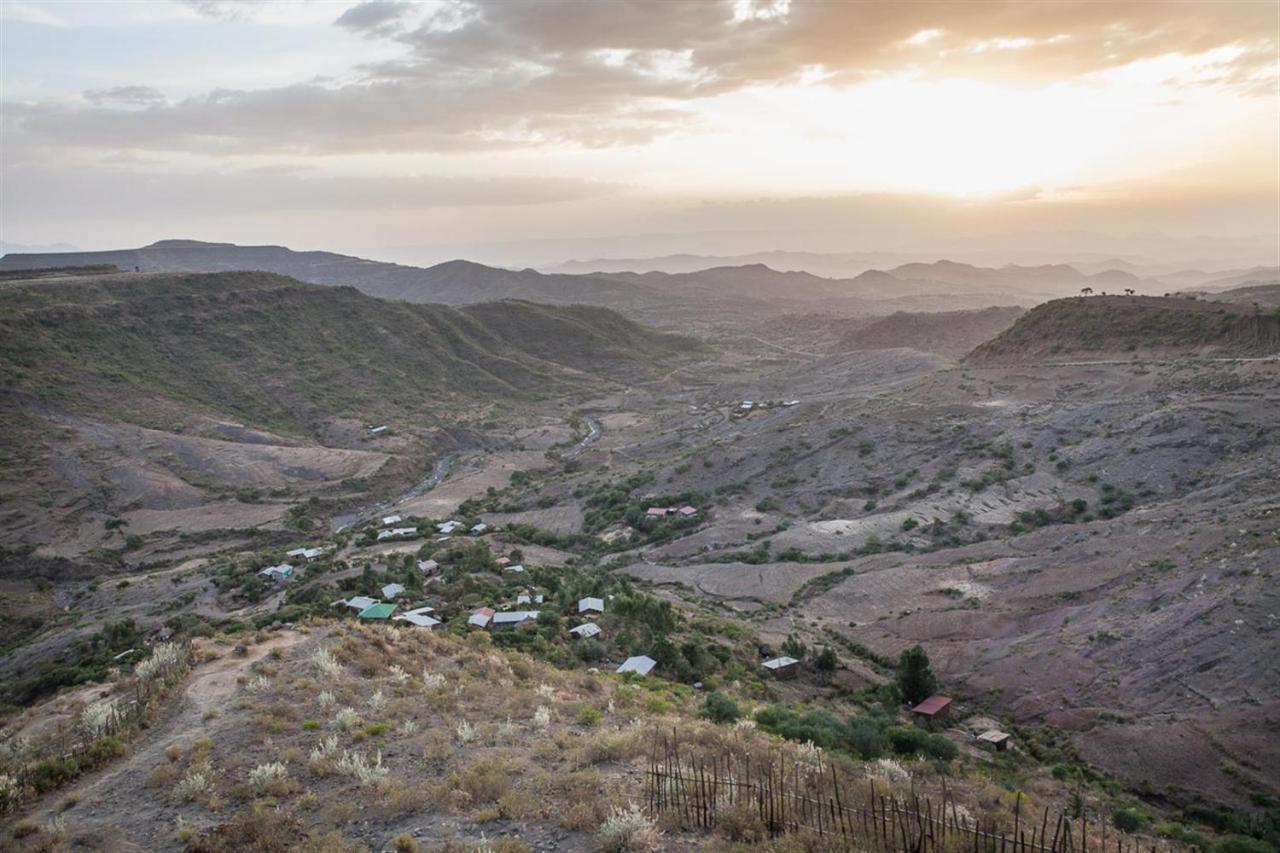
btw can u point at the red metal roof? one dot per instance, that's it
(483, 611)
(932, 705)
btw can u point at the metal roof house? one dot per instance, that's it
(585, 631)
(480, 618)
(449, 526)
(687, 511)
(388, 520)
(640, 665)
(391, 590)
(934, 708)
(377, 430)
(590, 605)
(281, 572)
(512, 618)
(378, 611)
(503, 561)
(782, 667)
(517, 569)
(397, 531)
(656, 512)
(360, 602)
(994, 739)
(427, 565)
(419, 616)
(479, 528)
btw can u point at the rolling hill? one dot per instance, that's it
(1120, 326)
(950, 333)
(274, 351)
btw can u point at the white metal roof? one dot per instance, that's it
(588, 629)
(585, 604)
(640, 665)
(416, 617)
(779, 662)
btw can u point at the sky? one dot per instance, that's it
(513, 131)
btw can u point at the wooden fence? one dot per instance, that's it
(75, 741)
(785, 793)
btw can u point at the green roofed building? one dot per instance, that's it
(378, 611)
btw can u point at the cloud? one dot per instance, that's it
(520, 73)
(131, 96)
(376, 17)
(127, 187)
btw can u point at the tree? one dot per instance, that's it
(915, 677)
(793, 647)
(825, 663)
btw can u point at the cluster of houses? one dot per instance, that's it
(746, 407)
(445, 529)
(282, 572)
(685, 511)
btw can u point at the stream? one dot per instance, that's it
(444, 465)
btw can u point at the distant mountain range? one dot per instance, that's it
(694, 300)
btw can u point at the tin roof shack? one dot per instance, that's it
(782, 667)
(358, 602)
(936, 707)
(593, 606)
(995, 740)
(278, 573)
(480, 618)
(419, 616)
(428, 566)
(640, 664)
(585, 631)
(513, 618)
(378, 612)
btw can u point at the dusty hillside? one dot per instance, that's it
(950, 333)
(1116, 325)
(277, 352)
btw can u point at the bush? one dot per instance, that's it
(1241, 844)
(719, 708)
(867, 738)
(907, 740)
(940, 748)
(1128, 820)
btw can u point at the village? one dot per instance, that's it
(543, 607)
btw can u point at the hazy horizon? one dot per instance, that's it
(519, 134)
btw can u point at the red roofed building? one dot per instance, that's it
(935, 707)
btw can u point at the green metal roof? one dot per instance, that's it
(378, 611)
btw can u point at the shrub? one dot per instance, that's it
(719, 708)
(589, 716)
(627, 831)
(940, 747)
(907, 740)
(1242, 844)
(1127, 820)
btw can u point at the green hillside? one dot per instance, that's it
(270, 350)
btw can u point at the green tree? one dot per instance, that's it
(916, 680)
(825, 663)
